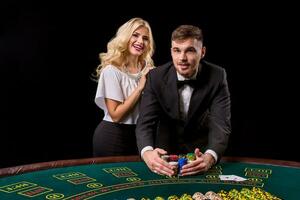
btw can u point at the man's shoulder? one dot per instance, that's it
(165, 66)
(161, 70)
(212, 66)
(213, 71)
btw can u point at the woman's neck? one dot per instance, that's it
(133, 65)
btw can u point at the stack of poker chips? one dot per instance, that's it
(181, 162)
(197, 196)
(245, 193)
(174, 197)
(191, 156)
(208, 195)
(172, 160)
(178, 161)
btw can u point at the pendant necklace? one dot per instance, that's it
(135, 76)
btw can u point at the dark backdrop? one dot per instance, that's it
(48, 52)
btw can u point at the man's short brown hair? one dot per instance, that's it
(187, 31)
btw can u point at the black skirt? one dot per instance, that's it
(114, 139)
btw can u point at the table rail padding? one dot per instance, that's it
(9, 171)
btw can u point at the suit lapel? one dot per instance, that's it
(199, 93)
(171, 93)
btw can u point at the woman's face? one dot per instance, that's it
(139, 41)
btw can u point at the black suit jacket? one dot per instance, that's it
(208, 123)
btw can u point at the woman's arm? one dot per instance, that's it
(117, 110)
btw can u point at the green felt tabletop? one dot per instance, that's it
(134, 180)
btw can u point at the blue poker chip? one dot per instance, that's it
(181, 162)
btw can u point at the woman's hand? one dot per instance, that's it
(142, 81)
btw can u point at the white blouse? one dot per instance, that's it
(117, 85)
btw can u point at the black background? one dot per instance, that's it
(48, 52)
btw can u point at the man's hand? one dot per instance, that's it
(156, 164)
(202, 163)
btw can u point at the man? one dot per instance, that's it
(185, 107)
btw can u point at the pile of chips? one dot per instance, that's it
(179, 160)
(244, 194)
(197, 196)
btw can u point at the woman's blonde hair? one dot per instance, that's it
(118, 45)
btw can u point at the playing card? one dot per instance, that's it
(238, 178)
(231, 178)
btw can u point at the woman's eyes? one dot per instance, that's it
(137, 35)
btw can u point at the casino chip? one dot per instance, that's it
(198, 196)
(173, 197)
(159, 198)
(245, 193)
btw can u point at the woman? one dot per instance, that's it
(121, 79)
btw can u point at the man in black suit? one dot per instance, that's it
(185, 107)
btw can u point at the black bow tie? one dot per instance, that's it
(190, 82)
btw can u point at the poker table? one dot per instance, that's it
(113, 178)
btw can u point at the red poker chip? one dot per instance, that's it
(173, 158)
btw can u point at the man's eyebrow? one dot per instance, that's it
(190, 48)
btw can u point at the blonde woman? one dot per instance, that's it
(121, 80)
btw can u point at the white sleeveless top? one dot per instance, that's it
(117, 85)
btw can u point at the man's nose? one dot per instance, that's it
(183, 57)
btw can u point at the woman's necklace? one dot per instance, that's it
(135, 76)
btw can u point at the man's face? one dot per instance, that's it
(186, 55)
